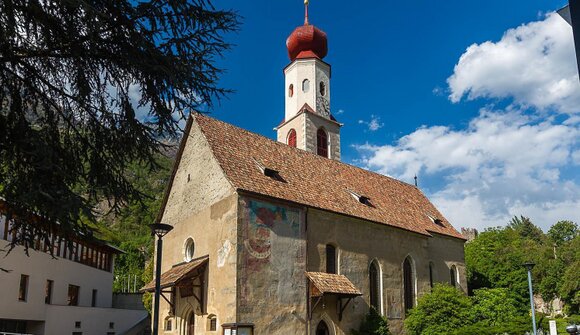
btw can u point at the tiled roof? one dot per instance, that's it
(331, 283)
(177, 273)
(314, 181)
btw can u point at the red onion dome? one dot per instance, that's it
(307, 41)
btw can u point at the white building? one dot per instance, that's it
(69, 292)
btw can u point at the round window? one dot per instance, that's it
(306, 85)
(189, 249)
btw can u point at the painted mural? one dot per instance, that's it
(272, 259)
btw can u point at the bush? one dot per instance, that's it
(443, 310)
(373, 324)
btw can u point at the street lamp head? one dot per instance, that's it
(529, 265)
(160, 229)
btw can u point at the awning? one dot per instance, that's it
(330, 283)
(179, 272)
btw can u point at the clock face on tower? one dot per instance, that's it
(323, 107)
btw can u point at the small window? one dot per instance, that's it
(212, 324)
(48, 292)
(77, 333)
(321, 143)
(23, 289)
(189, 249)
(292, 138)
(306, 86)
(77, 324)
(168, 324)
(291, 90)
(330, 258)
(94, 299)
(73, 295)
(322, 88)
(111, 325)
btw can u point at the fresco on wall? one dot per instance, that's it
(272, 255)
(394, 304)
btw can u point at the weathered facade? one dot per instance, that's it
(281, 237)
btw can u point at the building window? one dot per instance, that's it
(431, 281)
(291, 138)
(77, 333)
(48, 292)
(375, 286)
(111, 325)
(330, 259)
(306, 85)
(168, 324)
(322, 88)
(409, 283)
(23, 289)
(321, 143)
(73, 295)
(77, 324)
(453, 276)
(94, 299)
(212, 323)
(189, 249)
(291, 90)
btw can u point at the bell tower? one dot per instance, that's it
(308, 123)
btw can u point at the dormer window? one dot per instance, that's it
(269, 172)
(360, 198)
(435, 220)
(322, 143)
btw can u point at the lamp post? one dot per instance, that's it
(159, 230)
(529, 266)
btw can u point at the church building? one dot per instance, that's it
(281, 237)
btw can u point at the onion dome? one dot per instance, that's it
(307, 41)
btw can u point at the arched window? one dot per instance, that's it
(212, 322)
(168, 324)
(331, 259)
(409, 283)
(306, 85)
(188, 249)
(321, 142)
(322, 328)
(322, 88)
(453, 276)
(291, 90)
(291, 140)
(375, 286)
(431, 282)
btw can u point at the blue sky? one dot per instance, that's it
(480, 99)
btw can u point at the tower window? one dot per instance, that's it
(306, 85)
(291, 140)
(291, 90)
(322, 88)
(321, 143)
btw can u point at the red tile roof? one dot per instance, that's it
(314, 181)
(177, 273)
(331, 283)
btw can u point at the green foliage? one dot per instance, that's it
(517, 326)
(493, 306)
(444, 309)
(563, 231)
(373, 324)
(148, 277)
(494, 260)
(90, 87)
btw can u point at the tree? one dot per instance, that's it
(373, 324)
(526, 229)
(443, 310)
(563, 231)
(88, 87)
(493, 306)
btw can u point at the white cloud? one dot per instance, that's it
(503, 164)
(533, 64)
(374, 124)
